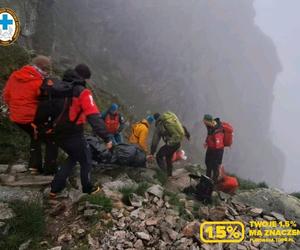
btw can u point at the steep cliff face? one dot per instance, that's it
(193, 57)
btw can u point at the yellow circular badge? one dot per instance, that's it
(9, 26)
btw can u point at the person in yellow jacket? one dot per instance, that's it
(140, 132)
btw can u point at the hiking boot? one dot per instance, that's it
(93, 190)
(52, 195)
(34, 171)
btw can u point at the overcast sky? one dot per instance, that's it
(280, 20)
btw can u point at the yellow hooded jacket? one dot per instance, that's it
(139, 134)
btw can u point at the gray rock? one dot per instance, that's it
(120, 183)
(151, 222)
(93, 242)
(255, 212)
(64, 238)
(7, 178)
(75, 195)
(135, 200)
(18, 168)
(6, 212)
(171, 220)
(278, 216)
(139, 244)
(56, 248)
(89, 212)
(272, 200)
(80, 232)
(3, 168)
(135, 213)
(120, 234)
(217, 213)
(11, 194)
(172, 234)
(143, 236)
(269, 218)
(25, 245)
(156, 190)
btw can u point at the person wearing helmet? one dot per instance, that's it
(114, 122)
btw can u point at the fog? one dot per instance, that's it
(281, 21)
(192, 57)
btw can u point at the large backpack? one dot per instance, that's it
(173, 128)
(54, 104)
(228, 134)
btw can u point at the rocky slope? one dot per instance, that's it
(209, 54)
(133, 211)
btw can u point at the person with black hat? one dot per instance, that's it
(70, 136)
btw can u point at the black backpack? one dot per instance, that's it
(100, 153)
(54, 104)
(204, 188)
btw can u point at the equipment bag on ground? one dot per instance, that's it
(204, 188)
(100, 153)
(128, 155)
(121, 154)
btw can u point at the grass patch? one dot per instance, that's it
(248, 184)
(174, 200)
(142, 188)
(127, 191)
(161, 176)
(29, 223)
(100, 200)
(296, 194)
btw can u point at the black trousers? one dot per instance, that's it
(36, 159)
(213, 159)
(164, 157)
(77, 150)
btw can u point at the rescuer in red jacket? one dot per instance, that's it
(21, 94)
(214, 145)
(115, 123)
(71, 139)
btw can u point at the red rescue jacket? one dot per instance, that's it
(112, 123)
(21, 94)
(82, 104)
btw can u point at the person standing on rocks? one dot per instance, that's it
(214, 145)
(169, 128)
(21, 94)
(70, 136)
(114, 122)
(140, 132)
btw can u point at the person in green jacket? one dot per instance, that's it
(169, 128)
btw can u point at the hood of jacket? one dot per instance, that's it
(27, 73)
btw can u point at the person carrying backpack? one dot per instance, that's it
(219, 135)
(69, 131)
(140, 132)
(21, 94)
(114, 122)
(169, 128)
